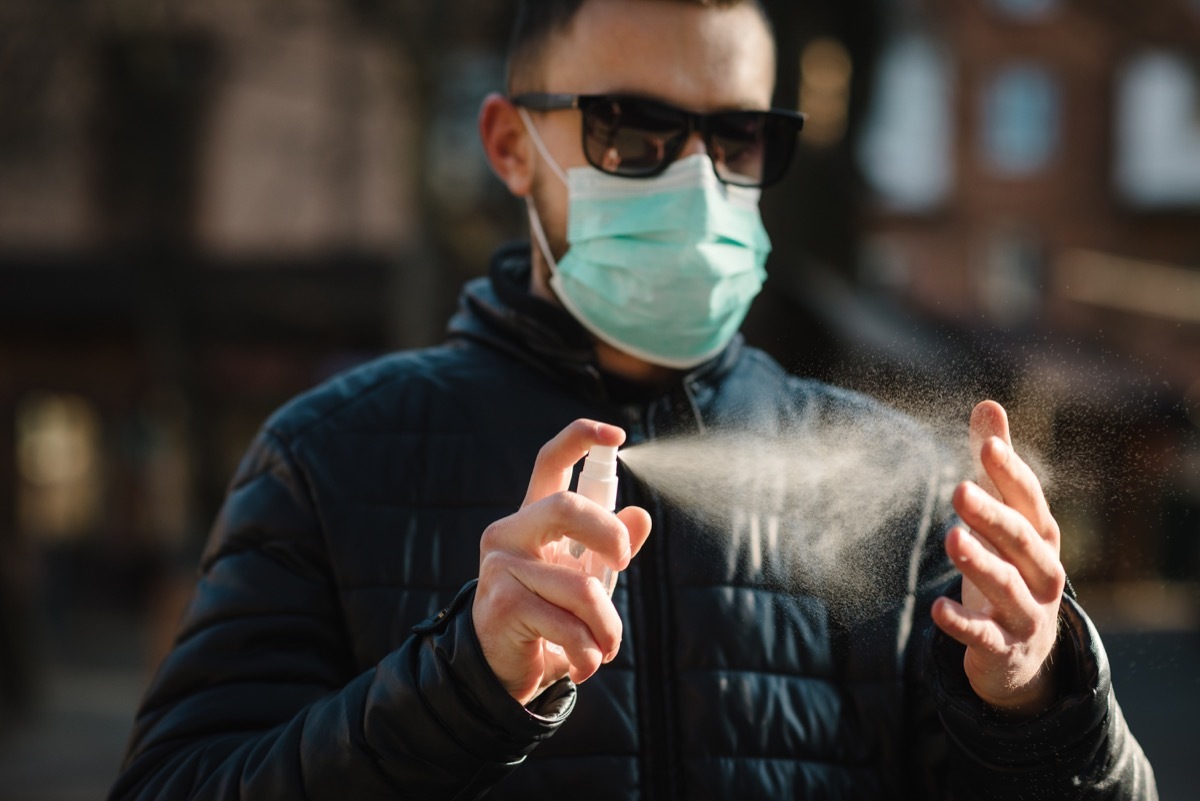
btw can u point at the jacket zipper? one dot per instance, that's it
(655, 692)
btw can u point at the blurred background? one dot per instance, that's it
(207, 207)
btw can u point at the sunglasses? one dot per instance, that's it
(636, 137)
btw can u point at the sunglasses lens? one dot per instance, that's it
(630, 136)
(738, 146)
(637, 137)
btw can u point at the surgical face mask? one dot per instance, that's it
(661, 268)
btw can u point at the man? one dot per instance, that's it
(329, 653)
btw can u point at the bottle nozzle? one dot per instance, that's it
(598, 479)
(601, 461)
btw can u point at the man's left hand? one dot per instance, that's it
(1013, 579)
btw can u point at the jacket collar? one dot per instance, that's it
(499, 310)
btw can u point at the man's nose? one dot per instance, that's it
(693, 145)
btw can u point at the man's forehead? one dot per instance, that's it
(697, 56)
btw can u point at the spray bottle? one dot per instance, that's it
(597, 482)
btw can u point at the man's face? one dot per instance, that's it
(696, 58)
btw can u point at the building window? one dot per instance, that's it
(60, 465)
(907, 148)
(1011, 274)
(1020, 120)
(825, 72)
(1025, 9)
(1158, 131)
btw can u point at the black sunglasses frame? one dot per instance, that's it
(775, 164)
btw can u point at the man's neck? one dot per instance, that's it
(632, 368)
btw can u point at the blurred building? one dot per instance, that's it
(205, 208)
(1033, 175)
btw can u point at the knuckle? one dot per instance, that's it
(557, 508)
(493, 568)
(1025, 541)
(608, 642)
(545, 453)
(608, 629)
(1011, 582)
(487, 541)
(503, 602)
(487, 567)
(1053, 534)
(566, 505)
(587, 663)
(989, 523)
(613, 637)
(582, 426)
(498, 597)
(491, 561)
(593, 590)
(1058, 577)
(580, 585)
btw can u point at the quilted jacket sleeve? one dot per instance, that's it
(1080, 748)
(259, 698)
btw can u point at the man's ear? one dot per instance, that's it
(506, 143)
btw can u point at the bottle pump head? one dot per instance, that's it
(598, 479)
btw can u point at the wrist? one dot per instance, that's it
(1026, 700)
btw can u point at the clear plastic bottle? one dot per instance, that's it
(597, 482)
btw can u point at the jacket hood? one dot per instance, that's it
(498, 310)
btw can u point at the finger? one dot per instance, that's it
(564, 514)
(988, 419)
(552, 469)
(577, 593)
(542, 622)
(972, 629)
(637, 526)
(1013, 606)
(564, 607)
(1011, 536)
(1019, 487)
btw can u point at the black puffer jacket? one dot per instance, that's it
(314, 662)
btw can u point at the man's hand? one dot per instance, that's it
(525, 600)
(1012, 577)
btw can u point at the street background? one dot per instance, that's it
(208, 206)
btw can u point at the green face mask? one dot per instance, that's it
(662, 268)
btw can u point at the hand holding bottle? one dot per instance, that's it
(528, 595)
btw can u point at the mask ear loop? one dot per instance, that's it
(539, 234)
(532, 130)
(535, 222)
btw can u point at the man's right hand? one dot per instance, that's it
(525, 600)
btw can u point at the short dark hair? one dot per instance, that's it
(538, 20)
